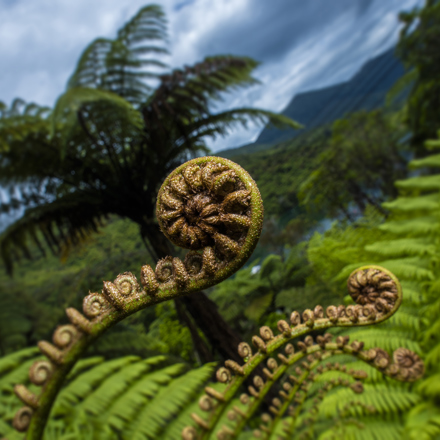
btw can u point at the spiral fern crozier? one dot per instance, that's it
(377, 295)
(212, 207)
(209, 205)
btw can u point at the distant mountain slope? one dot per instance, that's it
(365, 91)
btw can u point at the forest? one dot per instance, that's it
(111, 329)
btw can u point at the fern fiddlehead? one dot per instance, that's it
(209, 205)
(212, 207)
(377, 295)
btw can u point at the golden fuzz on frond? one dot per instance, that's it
(209, 205)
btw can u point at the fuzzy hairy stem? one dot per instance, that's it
(378, 295)
(209, 205)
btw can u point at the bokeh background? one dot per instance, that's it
(332, 106)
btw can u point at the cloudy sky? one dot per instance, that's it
(302, 44)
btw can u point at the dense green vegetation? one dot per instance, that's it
(330, 171)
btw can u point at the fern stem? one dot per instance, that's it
(218, 211)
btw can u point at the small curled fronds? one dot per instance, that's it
(375, 287)
(22, 419)
(209, 205)
(286, 409)
(411, 367)
(371, 288)
(94, 304)
(266, 333)
(64, 336)
(223, 375)
(189, 433)
(26, 396)
(244, 350)
(206, 403)
(40, 372)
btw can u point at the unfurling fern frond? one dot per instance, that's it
(212, 207)
(208, 205)
(365, 286)
(410, 241)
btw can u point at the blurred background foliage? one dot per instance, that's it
(360, 190)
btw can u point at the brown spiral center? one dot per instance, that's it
(205, 205)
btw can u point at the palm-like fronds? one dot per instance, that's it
(119, 65)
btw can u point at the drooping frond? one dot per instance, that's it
(61, 224)
(83, 115)
(91, 66)
(185, 98)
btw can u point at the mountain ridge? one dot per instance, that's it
(366, 90)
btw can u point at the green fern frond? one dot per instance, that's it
(423, 422)
(430, 387)
(432, 160)
(14, 360)
(410, 204)
(111, 388)
(82, 386)
(152, 420)
(390, 339)
(65, 113)
(411, 268)
(370, 429)
(17, 375)
(431, 333)
(413, 292)
(122, 412)
(419, 226)
(407, 319)
(420, 183)
(84, 365)
(403, 247)
(386, 399)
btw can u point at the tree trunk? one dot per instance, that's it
(201, 348)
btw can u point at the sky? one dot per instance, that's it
(301, 44)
